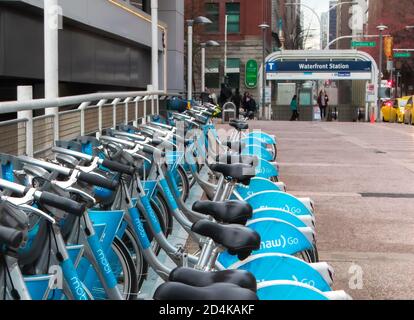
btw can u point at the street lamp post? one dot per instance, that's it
(381, 28)
(190, 24)
(264, 27)
(210, 43)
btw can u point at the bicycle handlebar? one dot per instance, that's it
(62, 203)
(10, 237)
(118, 167)
(97, 180)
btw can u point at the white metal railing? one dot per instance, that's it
(95, 112)
(13, 136)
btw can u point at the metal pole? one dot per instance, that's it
(25, 93)
(51, 26)
(190, 61)
(263, 73)
(203, 67)
(225, 47)
(154, 48)
(379, 77)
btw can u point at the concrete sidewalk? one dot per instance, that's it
(361, 177)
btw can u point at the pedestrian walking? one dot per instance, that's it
(323, 100)
(225, 95)
(294, 108)
(237, 100)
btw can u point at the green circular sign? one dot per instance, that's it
(251, 74)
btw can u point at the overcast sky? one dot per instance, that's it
(320, 6)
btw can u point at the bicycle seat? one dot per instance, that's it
(234, 157)
(238, 240)
(218, 291)
(239, 126)
(198, 278)
(237, 212)
(240, 172)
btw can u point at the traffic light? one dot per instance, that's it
(388, 47)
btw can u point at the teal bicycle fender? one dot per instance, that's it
(257, 184)
(269, 267)
(257, 150)
(278, 200)
(281, 215)
(262, 136)
(276, 236)
(288, 290)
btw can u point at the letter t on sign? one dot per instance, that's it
(271, 66)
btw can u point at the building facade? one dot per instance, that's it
(396, 14)
(333, 18)
(365, 17)
(104, 45)
(245, 38)
(324, 29)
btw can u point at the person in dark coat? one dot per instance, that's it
(225, 94)
(237, 100)
(294, 108)
(251, 106)
(323, 100)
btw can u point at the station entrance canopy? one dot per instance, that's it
(318, 70)
(314, 65)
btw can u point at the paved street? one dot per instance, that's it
(361, 179)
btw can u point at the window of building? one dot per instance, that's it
(233, 72)
(213, 73)
(233, 17)
(213, 13)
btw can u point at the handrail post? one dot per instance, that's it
(144, 120)
(127, 101)
(51, 59)
(115, 103)
(100, 120)
(25, 93)
(136, 100)
(82, 112)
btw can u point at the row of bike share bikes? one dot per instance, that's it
(91, 221)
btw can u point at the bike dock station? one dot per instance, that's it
(118, 181)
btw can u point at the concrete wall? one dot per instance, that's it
(105, 16)
(84, 56)
(104, 45)
(172, 13)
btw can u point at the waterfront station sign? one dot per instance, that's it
(319, 70)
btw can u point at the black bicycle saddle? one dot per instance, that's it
(231, 211)
(198, 278)
(237, 239)
(218, 291)
(241, 173)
